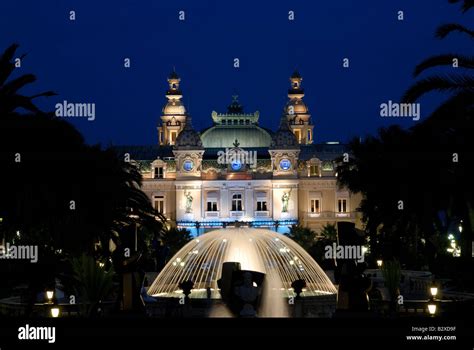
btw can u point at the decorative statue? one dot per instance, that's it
(189, 202)
(285, 200)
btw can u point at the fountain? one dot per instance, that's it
(281, 260)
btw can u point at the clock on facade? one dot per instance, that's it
(236, 165)
(285, 164)
(188, 165)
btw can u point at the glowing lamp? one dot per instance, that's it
(432, 309)
(55, 312)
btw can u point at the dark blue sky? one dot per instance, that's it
(83, 60)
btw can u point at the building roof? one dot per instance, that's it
(322, 151)
(248, 136)
(262, 152)
(188, 138)
(284, 137)
(151, 152)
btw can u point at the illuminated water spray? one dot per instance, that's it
(281, 259)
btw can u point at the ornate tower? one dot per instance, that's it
(173, 117)
(297, 112)
(188, 152)
(284, 151)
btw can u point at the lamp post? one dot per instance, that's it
(432, 309)
(55, 311)
(433, 291)
(432, 305)
(379, 263)
(51, 301)
(50, 295)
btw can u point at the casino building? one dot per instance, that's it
(240, 171)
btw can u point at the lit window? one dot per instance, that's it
(262, 205)
(297, 135)
(158, 173)
(211, 205)
(342, 205)
(313, 170)
(237, 202)
(173, 136)
(315, 205)
(159, 204)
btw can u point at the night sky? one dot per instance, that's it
(82, 60)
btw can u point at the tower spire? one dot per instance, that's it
(173, 115)
(297, 112)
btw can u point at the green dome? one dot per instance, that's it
(248, 136)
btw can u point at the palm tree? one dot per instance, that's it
(62, 193)
(450, 126)
(10, 98)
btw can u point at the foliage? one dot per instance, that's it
(408, 177)
(329, 232)
(93, 284)
(304, 236)
(71, 192)
(174, 239)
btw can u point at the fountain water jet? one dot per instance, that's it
(281, 259)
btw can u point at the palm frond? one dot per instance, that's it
(6, 64)
(14, 85)
(444, 60)
(466, 6)
(454, 112)
(438, 83)
(446, 29)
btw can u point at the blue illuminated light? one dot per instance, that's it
(188, 165)
(285, 164)
(236, 165)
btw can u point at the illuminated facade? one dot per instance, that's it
(239, 171)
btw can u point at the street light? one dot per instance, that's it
(379, 263)
(49, 295)
(433, 291)
(55, 312)
(432, 309)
